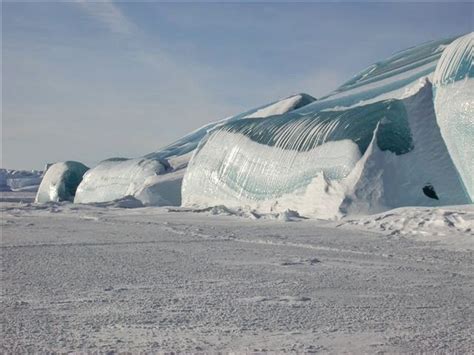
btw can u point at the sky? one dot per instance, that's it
(88, 81)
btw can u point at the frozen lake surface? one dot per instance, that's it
(91, 278)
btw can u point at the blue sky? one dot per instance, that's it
(88, 81)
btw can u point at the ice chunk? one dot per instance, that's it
(162, 190)
(116, 178)
(60, 182)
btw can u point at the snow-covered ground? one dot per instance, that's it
(102, 278)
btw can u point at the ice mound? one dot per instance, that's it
(155, 179)
(116, 178)
(60, 182)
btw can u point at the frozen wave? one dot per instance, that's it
(60, 182)
(398, 133)
(375, 143)
(156, 178)
(385, 79)
(326, 164)
(454, 103)
(116, 178)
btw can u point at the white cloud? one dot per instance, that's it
(109, 15)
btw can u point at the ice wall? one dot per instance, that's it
(60, 182)
(454, 103)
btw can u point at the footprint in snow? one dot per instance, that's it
(311, 261)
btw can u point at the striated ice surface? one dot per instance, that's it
(389, 78)
(116, 178)
(399, 133)
(454, 103)
(358, 160)
(188, 143)
(60, 182)
(156, 178)
(274, 156)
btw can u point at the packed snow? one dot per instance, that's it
(98, 278)
(278, 108)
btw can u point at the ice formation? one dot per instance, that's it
(454, 104)
(116, 178)
(372, 145)
(20, 180)
(156, 178)
(60, 182)
(399, 133)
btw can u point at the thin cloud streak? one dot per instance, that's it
(109, 15)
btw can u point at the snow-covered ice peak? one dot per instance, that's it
(282, 106)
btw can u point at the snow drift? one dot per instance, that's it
(60, 182)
